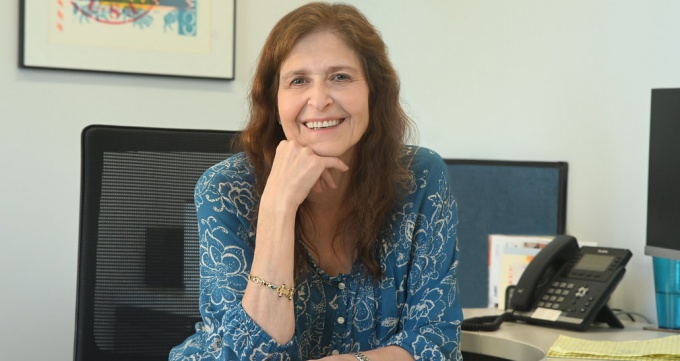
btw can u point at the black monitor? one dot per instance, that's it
(663, 193)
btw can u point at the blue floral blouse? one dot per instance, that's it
(415, 305)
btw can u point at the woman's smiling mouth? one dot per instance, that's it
(324, 124)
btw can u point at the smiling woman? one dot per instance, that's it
(323, 96)
(327, 237)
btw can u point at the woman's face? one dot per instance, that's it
(323, 95)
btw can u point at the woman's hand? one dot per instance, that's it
(297, 170)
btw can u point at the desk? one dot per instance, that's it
(518, 341)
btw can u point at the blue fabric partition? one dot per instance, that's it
(502, 197)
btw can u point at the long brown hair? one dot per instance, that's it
(379, 171)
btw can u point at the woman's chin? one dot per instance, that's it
(343, 154)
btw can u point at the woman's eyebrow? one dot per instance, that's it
(292, 73)
(332, 69)
(337, 68)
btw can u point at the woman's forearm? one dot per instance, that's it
(273, 262)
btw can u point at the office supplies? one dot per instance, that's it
(666, 348)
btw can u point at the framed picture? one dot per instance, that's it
(182, 38)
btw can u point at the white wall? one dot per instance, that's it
(565, 80)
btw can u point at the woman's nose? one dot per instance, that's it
(319, 96)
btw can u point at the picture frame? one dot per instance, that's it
(178, 38)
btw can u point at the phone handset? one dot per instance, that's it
(541, 270)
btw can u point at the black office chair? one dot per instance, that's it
(138, 268)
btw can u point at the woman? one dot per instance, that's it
(327, 238)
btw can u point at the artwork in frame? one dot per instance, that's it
(182, 38)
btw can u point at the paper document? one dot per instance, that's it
(665, 348)
(509, 255)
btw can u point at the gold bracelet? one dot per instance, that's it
(282, 290)
(360, 356)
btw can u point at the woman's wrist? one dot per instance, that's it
(278, 202)
(360, 356)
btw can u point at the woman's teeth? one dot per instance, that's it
(323, 124)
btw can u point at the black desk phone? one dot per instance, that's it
(565, 286)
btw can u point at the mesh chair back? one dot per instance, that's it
(138, 266)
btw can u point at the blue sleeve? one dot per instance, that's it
(225, 202)
(432, 315)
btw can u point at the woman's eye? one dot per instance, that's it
(341, 77)
(297, 81)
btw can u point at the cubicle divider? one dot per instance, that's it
(502, 197)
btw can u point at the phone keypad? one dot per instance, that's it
(574, 299)
(556, 295)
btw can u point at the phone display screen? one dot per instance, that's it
(593, 262)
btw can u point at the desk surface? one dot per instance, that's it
(518, 341)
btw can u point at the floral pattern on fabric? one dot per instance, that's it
(415, 305)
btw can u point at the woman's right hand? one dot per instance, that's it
(297, 170)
